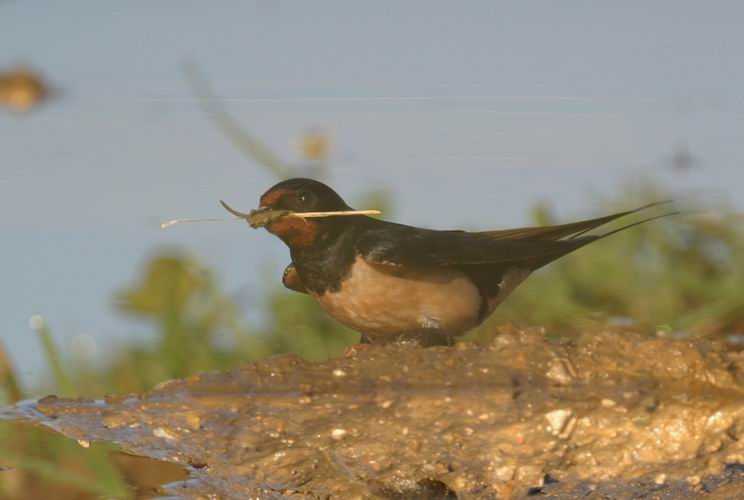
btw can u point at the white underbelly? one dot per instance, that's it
(381, 300)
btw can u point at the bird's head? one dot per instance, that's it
(296, 196)
(302, 195)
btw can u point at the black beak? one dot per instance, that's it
(259, 217)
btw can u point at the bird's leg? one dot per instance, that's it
(430, 333)
(421, 337)
(426, 337)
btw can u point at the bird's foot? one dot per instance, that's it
(422, 337)
(425, 337)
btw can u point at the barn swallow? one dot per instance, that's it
(393, 282)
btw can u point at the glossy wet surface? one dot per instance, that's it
(603, 414)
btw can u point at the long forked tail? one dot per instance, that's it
(570, 231)
(578, 238)
(637, 223)
(601, 221)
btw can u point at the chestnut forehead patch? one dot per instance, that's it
(272, 197)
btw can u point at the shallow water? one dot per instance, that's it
(607, 413)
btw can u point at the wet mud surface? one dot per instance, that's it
(602, 415)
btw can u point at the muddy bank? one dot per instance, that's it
(604, 413)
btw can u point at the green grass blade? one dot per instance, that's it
(62, 379)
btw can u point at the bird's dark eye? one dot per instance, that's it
(306, 198)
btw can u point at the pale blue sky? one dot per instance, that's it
(469, 112)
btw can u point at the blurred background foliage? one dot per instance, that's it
(680, 276)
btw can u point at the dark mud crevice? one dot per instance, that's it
(601, 411)
(421, 489)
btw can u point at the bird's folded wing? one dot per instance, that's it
(448, 248)
(398, 245)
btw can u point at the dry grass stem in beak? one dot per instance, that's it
(260, 217)
(173, 222)
(304, 215)
(263, 216)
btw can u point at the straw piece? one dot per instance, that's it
(173, 222)
(304, 215)
(299, 215)
(264, 216)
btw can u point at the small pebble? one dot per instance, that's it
(505, 473)
(460, 483)
(557, 420)
(558, 373)
(339, 373)
(693, 480)
(193, 421)
(608, 403)
(338, 434)
(114, 420)
(162, 433)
